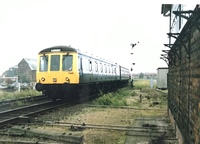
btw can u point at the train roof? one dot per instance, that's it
(71, 49)
(61, 48)
(68, 49)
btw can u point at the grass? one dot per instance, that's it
(124, 97)
(142, 83)
(117, 98)
(14, 95)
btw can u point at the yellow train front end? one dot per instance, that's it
(57, 72)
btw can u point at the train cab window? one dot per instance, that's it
(43, 63)
(67, 62)
(96, 66)
(55, 63)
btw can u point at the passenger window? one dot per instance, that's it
(112, 69)
(96, 66)
(101, 67)
(105, 68)
(86, 64)
(90, 65)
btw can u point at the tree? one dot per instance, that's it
(141, 76)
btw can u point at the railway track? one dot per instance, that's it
(7, 104)
(76, 126)
(13, 115)
(13, 118)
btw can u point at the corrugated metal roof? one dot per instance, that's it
(32, 63)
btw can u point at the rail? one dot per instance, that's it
(6, 104)
(13, 115)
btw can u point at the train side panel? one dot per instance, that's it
(93, 70)
(125, 74)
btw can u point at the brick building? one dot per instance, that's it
(183, 59)
(27, 70)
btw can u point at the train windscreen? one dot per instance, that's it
(55, 63)
(43, 63)
(67, 63)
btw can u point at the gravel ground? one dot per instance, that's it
(80, 114)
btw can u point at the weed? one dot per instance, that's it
(18, 103)
(133, 93)
(99, 141)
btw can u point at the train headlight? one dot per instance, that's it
(54, 79)
(67, 79)
(43, 79)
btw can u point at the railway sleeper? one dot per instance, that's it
(29, 132)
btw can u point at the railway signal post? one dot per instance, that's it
(132, 81)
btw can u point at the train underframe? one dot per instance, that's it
(74, 92)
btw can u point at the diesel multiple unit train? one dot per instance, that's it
(67, 73)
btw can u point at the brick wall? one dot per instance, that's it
(32, 76)
(184, 85)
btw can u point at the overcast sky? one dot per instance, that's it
(104, 28)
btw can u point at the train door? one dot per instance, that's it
(120, 73)
(80, 67)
